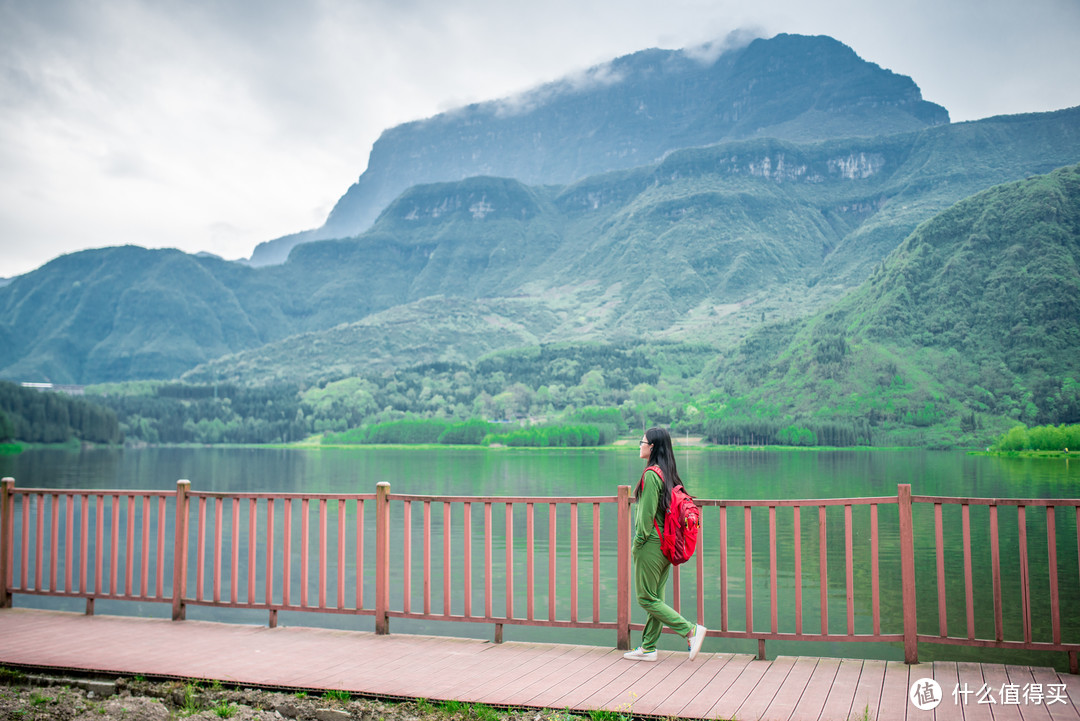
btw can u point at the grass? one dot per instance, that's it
(865, 714)
(624, 712)
(225, 709)
(480, 712)
(337, 695)
(603, 714)
(485, 713)
(11, 675)
(38, 699)
(190, 706)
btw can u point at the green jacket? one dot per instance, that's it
(647, 505)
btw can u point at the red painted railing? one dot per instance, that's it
(221, 541)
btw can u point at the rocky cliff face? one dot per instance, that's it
(632, 112)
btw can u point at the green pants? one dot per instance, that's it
(651, 570)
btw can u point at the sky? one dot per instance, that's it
(215, 125)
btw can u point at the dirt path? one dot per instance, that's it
(31, 697)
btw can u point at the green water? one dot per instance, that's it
(709, 473)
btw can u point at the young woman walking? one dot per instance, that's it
(651, 567)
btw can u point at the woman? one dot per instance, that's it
(651, 567)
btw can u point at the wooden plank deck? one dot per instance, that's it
(581, 678)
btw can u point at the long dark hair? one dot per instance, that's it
(662, 455)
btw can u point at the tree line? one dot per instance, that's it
(36, 416)
(475, 431)
(1040, 438)
(614, 388)
(154, 412)
(387, 408)
(748, 431)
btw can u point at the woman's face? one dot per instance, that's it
(646, 448)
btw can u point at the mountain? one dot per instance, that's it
(976, 313)
(631, 112)
(949, 163)
(701, 247)
(121, 312)
(705, 246)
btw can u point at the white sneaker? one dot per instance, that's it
(640, 654)
(695, 641)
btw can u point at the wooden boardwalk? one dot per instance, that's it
(716, 685)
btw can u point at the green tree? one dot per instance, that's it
(7, 428)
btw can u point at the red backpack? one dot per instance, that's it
(679, 537)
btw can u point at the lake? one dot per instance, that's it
(709, 473)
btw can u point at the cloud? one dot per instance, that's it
(165, 123)
(707, 53)
(581, 81)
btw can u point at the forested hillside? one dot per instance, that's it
(970, 326)
(973, 320)
(36, 417)
(157, 412)
(639, 383)
(753, 231)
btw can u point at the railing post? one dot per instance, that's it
(382, 558)
(180, 551)
(624, 569)
(907, 573)
(7, 539)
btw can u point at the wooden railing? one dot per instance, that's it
(366, 561)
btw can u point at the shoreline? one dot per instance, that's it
(698, 444)
(1025, 454)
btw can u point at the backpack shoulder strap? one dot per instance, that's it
(656, 470)
(641, 483)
